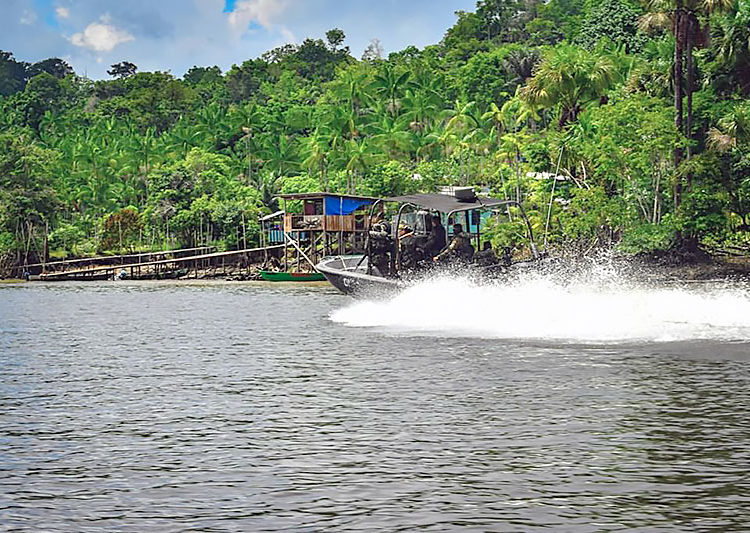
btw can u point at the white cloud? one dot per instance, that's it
(265, 12)
(62, 12)
(101, 36)
(288, 35)
(28, 17)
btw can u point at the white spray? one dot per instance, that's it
(593, 304)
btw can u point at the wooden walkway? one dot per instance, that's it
(155, 268)
(101, 260)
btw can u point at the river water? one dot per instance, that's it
(248, 407)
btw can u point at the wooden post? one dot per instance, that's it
(286, 240)
(45, 251)
(244, 232)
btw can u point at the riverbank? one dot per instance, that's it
(700, 268)
(656, 266)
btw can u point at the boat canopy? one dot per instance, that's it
(448, 204)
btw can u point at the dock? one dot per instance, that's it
(101, 260)
(167, 267)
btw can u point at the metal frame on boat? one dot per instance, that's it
(353, 274)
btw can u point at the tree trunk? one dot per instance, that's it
(691, 34)
(679, 50)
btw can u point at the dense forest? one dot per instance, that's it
(616, 123)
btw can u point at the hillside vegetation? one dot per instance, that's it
(643, 108)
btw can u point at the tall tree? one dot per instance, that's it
(13, 74)
(683, 18)
(335, 38)
(53, 66)
(122, 70)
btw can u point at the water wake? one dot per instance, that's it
(593, 304)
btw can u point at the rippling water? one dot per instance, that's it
(231, 407)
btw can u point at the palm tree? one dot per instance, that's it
(462, 116)
(279, 155)
(732, 38)
(316, 150)
(389, 84)
(572, 78)
(391, 134)
(419, 108)
(181, 138)
(733, 130)
(521, 64)
(683, 17)
(269, 187)
(359, 158)
(350, 87)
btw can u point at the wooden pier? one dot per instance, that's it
(168, 267)
(102, 260)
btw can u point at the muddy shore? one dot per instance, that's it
(654, 267)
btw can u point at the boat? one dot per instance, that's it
(351, 274)
(357, 275)
(269, 275)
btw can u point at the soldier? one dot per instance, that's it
(460, 247)
(436, 240)
(409, 252)
(487, 256)
(381, 244)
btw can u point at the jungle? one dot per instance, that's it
(617, 124)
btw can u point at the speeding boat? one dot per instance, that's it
(360, 274)
(352, 274)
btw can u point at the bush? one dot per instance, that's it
(65, 237)
(121, 229)
(703, 211)
(649, 237)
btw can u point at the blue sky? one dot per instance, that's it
(177, 34)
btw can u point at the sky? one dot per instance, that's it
(175, 35)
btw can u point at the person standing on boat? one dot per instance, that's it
(460, 247)
(381, 244)
(409, 252)
(436, 240)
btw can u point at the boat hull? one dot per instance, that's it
(349, 275)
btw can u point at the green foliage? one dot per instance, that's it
(7, 243)
(43, 93)
(507, 233)
(122, 70)
(491, 77)
(13, 74)
(591, 215)
(28, 201)
(572, 78)
(389, 179)
(504, 97)
(66, 237)
(703, 212)
(649, 237)
(728, 59)
(53, 66)
(614, 20)
(244, 82)
(148, 99)
(565, 15)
